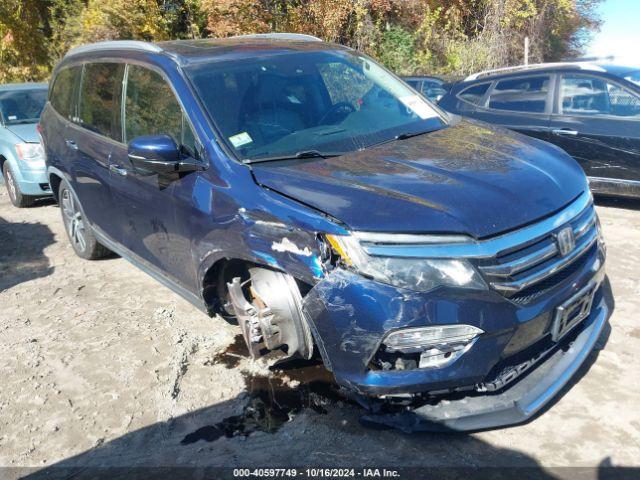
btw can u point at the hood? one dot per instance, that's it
(26, 132)
(468, 178)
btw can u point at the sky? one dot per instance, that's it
(620, 31)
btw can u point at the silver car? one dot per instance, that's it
(21, 155)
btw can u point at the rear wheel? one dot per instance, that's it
(18, 199)
(78, 230)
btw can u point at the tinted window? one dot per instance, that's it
(151, 107)
(330, 101)
(475, 94)
(22, 106)
(582, 95)
(99, 99)
(433, 90)
(521, 95)
(63, 89)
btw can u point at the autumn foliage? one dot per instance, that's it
(447, 37)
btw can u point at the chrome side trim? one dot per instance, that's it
(114, 45)
(483, 248)
(615, 186)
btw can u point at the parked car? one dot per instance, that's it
(21, 155)
(301, 187)
(433, 88)
(592, 111)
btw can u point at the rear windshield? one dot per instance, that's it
(328, 101)
(22, 106)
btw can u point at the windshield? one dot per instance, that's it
(633, 77)
(22, 106)
(328, 102)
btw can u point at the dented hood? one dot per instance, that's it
(469, 178)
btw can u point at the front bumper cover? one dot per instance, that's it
(520, 401)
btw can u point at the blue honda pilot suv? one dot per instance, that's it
(303, 189)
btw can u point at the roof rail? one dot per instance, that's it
(115, 45)
(282, 36)
(534, 66)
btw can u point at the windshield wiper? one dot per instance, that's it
(297, 156)
(402, 136)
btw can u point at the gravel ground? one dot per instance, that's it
(102, 366)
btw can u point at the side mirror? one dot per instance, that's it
(158, 154)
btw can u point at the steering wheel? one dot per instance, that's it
(344, 107)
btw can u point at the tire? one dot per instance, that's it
(18, 199)
(78, 230)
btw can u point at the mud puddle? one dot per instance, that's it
(274, 399)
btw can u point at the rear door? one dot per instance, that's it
(522, 103)
(58, 114)
(155, 208)
(91, 138)
(597, 121)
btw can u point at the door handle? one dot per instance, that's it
(564, 131)
(71, 144)
(118, 170)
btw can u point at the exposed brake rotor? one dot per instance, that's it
(273, 318)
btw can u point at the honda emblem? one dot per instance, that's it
(565, 240)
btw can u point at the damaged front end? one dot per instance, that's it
(462, 334)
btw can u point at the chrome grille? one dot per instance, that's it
(527, 264)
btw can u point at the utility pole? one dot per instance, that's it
(526, 51)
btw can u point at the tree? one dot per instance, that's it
(449, 37)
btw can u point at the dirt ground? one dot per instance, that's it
(102, 366)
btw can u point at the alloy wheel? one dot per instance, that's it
(74, 221)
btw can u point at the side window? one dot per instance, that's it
(151, 108)
(622, 102)
(99, 98)
(475, 94)
(434, 90)
(63, 90)
(583, 95)
(527, 94)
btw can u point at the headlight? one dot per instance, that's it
(421, 274)
(30, 152)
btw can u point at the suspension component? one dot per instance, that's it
(274, 318)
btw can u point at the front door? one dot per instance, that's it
(597, 121)
(154, 207)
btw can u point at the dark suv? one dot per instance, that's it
(305, 190)
(592, 111)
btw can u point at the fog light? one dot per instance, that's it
(421, 338)
(433, 347)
